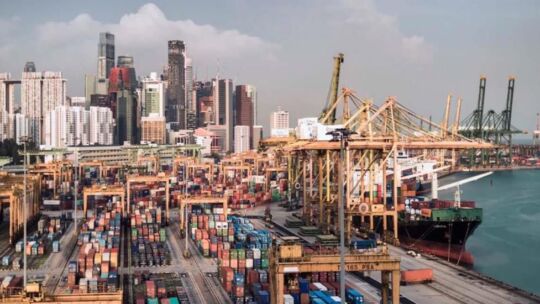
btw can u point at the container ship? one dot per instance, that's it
(438, 227)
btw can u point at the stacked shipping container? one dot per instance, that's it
(242, 252)
(98, 259)
(148, 235)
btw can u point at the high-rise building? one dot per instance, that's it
(257, 136)
(252, 94)
(30, 66)
(77, 101)
(101, 129)
(22, 127)
(125, 62)
(6, 106)
(191, 107)
(241, 139)
(176, 103)
(204, 103)
(223, 109)
(126, 117)
(153, 129)
(153, 95)
(73, 126)
(41, 93)
(244, 109)
(66, 126)
(279, 119)
(105, 55)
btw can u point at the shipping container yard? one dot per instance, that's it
(222, 237)
(325, 216)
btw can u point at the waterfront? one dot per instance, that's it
(506, 244)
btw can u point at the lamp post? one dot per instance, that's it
(342, 135)
(24, 141)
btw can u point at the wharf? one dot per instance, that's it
(452, 283)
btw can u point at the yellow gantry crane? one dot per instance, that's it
(328, 115)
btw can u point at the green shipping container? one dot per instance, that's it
(152, 301)
(234, 254)
(264, 263)
(453, 214)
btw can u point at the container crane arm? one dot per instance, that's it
(330, 108)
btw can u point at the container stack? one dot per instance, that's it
(242, 252)
(97, 262)
(148, 235)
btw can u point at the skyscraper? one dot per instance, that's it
(244, 110)
(223, 109)
(191, 108)
(122, 89)
(125, 61)
(241, 139)
(6, 106)
(41, 93)
(252, 93)
(176, 102)
(153, 95)
(105, 55)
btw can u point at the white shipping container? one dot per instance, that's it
(288, 299)
(249, 263)
(88, 274)
(256, 253)
(336, 299)
(320, 286)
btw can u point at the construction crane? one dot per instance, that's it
(536, 134)
(328, 115)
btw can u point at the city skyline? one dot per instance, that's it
(402, 39)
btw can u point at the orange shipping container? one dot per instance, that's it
(426, 212)
(416, 276)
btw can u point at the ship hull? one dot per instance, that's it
(443, 239)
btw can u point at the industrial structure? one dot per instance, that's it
(492, 127)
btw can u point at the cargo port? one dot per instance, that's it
(349, 214)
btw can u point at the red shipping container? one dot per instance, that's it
(228, 287)
(238, 291)
(227, 274)
(253, 277)
(150, 289)
(304, 298)
(241, 264)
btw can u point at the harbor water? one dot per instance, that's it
(506, 245)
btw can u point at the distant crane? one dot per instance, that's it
(491, 126)
(328, 115)
(536, 133)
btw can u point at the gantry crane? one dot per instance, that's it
(328, 115)
(491, 126)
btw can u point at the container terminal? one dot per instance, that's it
(342, 217)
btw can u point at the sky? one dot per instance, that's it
(417, 51)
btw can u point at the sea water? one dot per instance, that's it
(506, 246)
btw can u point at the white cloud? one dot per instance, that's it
(71, 46)
(382, 31)
(144, 35)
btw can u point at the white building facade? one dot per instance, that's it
(74, 126)
(241, 139)
(153, 95)
(41, 92)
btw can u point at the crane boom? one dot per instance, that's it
(333, 93)
(466, 180)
